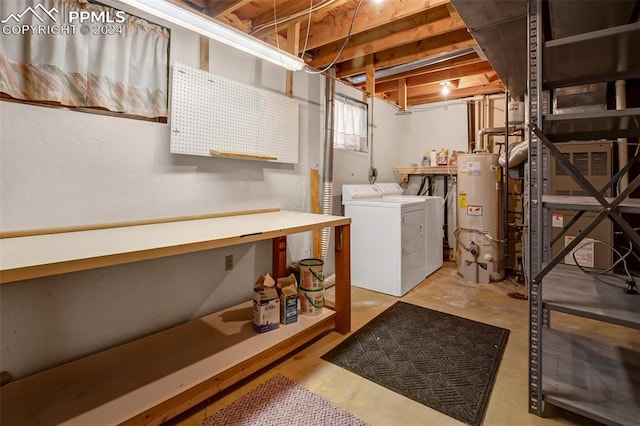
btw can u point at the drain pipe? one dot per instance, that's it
(327, 167)
(623, 153)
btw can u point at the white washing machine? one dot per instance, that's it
(434, 222)
(387, 240)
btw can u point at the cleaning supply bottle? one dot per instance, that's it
(426, 160)
(443, 157)
(434, 158)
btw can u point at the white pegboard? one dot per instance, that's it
(209, 112)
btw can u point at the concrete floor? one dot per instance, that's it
(444, 291)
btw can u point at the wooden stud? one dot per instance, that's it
(293, 41)
(204, 53)
(370, 87)
(402, 95)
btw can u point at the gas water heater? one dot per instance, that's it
(479, 239)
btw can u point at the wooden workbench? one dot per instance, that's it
(152, 379)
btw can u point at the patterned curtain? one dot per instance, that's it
(81, 54)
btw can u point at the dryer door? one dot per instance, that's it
(412, 231)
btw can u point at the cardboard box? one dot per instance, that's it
(288, 306)
(266, 309)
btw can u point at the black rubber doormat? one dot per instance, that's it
(443, 361)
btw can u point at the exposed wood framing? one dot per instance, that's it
(204, 53)
(383, 35)
(371, 79)
(411, 52)
(402, 94)
(408, 30)
(293, 41)
(438, 76)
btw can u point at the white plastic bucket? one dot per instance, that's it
(311, 301)
(311, 277)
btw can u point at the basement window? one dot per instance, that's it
(350, 124)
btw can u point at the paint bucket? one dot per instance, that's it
(311, 301)
(311, 277)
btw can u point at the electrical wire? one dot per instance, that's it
(344, 45)
(293, 16)
(607, 272)
(276, 29)
(306, 38)
(627, 173)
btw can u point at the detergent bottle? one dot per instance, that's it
(443, 157)
(426, 160)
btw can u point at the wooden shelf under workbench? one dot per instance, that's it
(152, 379)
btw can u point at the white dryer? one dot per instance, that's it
(434, 222)
(387, 240)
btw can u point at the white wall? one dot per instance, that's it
(60, 167)
(433, 126)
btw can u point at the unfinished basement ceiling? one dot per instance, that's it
(406, 49)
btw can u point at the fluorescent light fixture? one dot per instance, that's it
(217, 31)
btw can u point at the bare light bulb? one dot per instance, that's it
(445, 89)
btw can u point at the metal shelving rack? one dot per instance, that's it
(586, 376)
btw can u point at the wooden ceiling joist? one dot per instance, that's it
(471, 58)
(410, 52)
(218, 8)
(334, 23)
(409, 30)
(488, 89)
(388, 34)
(438, 76)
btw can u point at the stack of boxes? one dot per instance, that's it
(274, 303)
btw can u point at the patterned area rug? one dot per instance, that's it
(280, 402)
(443, 361)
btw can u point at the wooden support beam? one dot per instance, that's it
(334, 24)
(370, 69)
(293, 43)
(413, 51)
(218, 8)
(402, 95)
(437, 76)
(410, 30)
